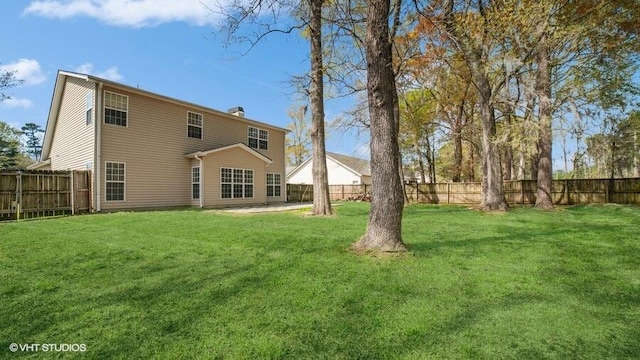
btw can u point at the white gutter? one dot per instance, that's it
(196, 156)
(98, 145)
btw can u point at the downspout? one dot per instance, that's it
(98, 146)
(201, 180)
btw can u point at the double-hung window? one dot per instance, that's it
(274, 185)
(236, 183)
(258, 138)
(89, 108)
(116, 107)
(194, 125)
(195, 183)
(115, 181)
(248, 183)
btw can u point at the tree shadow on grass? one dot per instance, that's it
(588, 272)
(211, 306)
(171, 306)
(154, 305)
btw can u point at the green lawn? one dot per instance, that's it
(525, 284)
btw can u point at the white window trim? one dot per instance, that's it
(201, 126)
(89, 107)
(253, 184)
(258, 138)
(274, 185)
(199, 183)
(124, 182)
(104, 120)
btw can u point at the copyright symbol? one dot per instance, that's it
(13, 347)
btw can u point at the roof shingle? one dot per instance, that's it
(360, 165)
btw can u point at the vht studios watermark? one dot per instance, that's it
(48, 347)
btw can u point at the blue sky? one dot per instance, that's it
(170, 47)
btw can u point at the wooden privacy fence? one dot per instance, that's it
(564, 192)
(299, 192)
(29, 194)
(304, 192)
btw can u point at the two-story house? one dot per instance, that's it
(147, 150)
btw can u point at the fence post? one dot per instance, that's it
(342, 191)
(609, 188)
(521, 191)
(448, 193)
(73, 192)
(18, 194)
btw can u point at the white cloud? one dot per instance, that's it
(86, 68)
(109, 74)
(127, 13)
(17, 103)
(27, 70)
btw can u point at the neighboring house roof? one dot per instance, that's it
(289, 169)
(238, 145)
(358, 166)
(59, 89)
(39, 165)
(361, 166)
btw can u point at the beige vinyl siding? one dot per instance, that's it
(155, 141)
(73, 140)
(234, 158)
(152, 145)
(276, 153)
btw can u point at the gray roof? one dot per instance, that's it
(363, 167)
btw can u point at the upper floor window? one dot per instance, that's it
(89, 107)
(194, 125)
(115, 108)
(258, 138)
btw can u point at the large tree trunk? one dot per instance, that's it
(543, 89)
(321, 202)
(476, 58)
(492, 185)
(385, 218)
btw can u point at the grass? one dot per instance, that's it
(197, 284)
